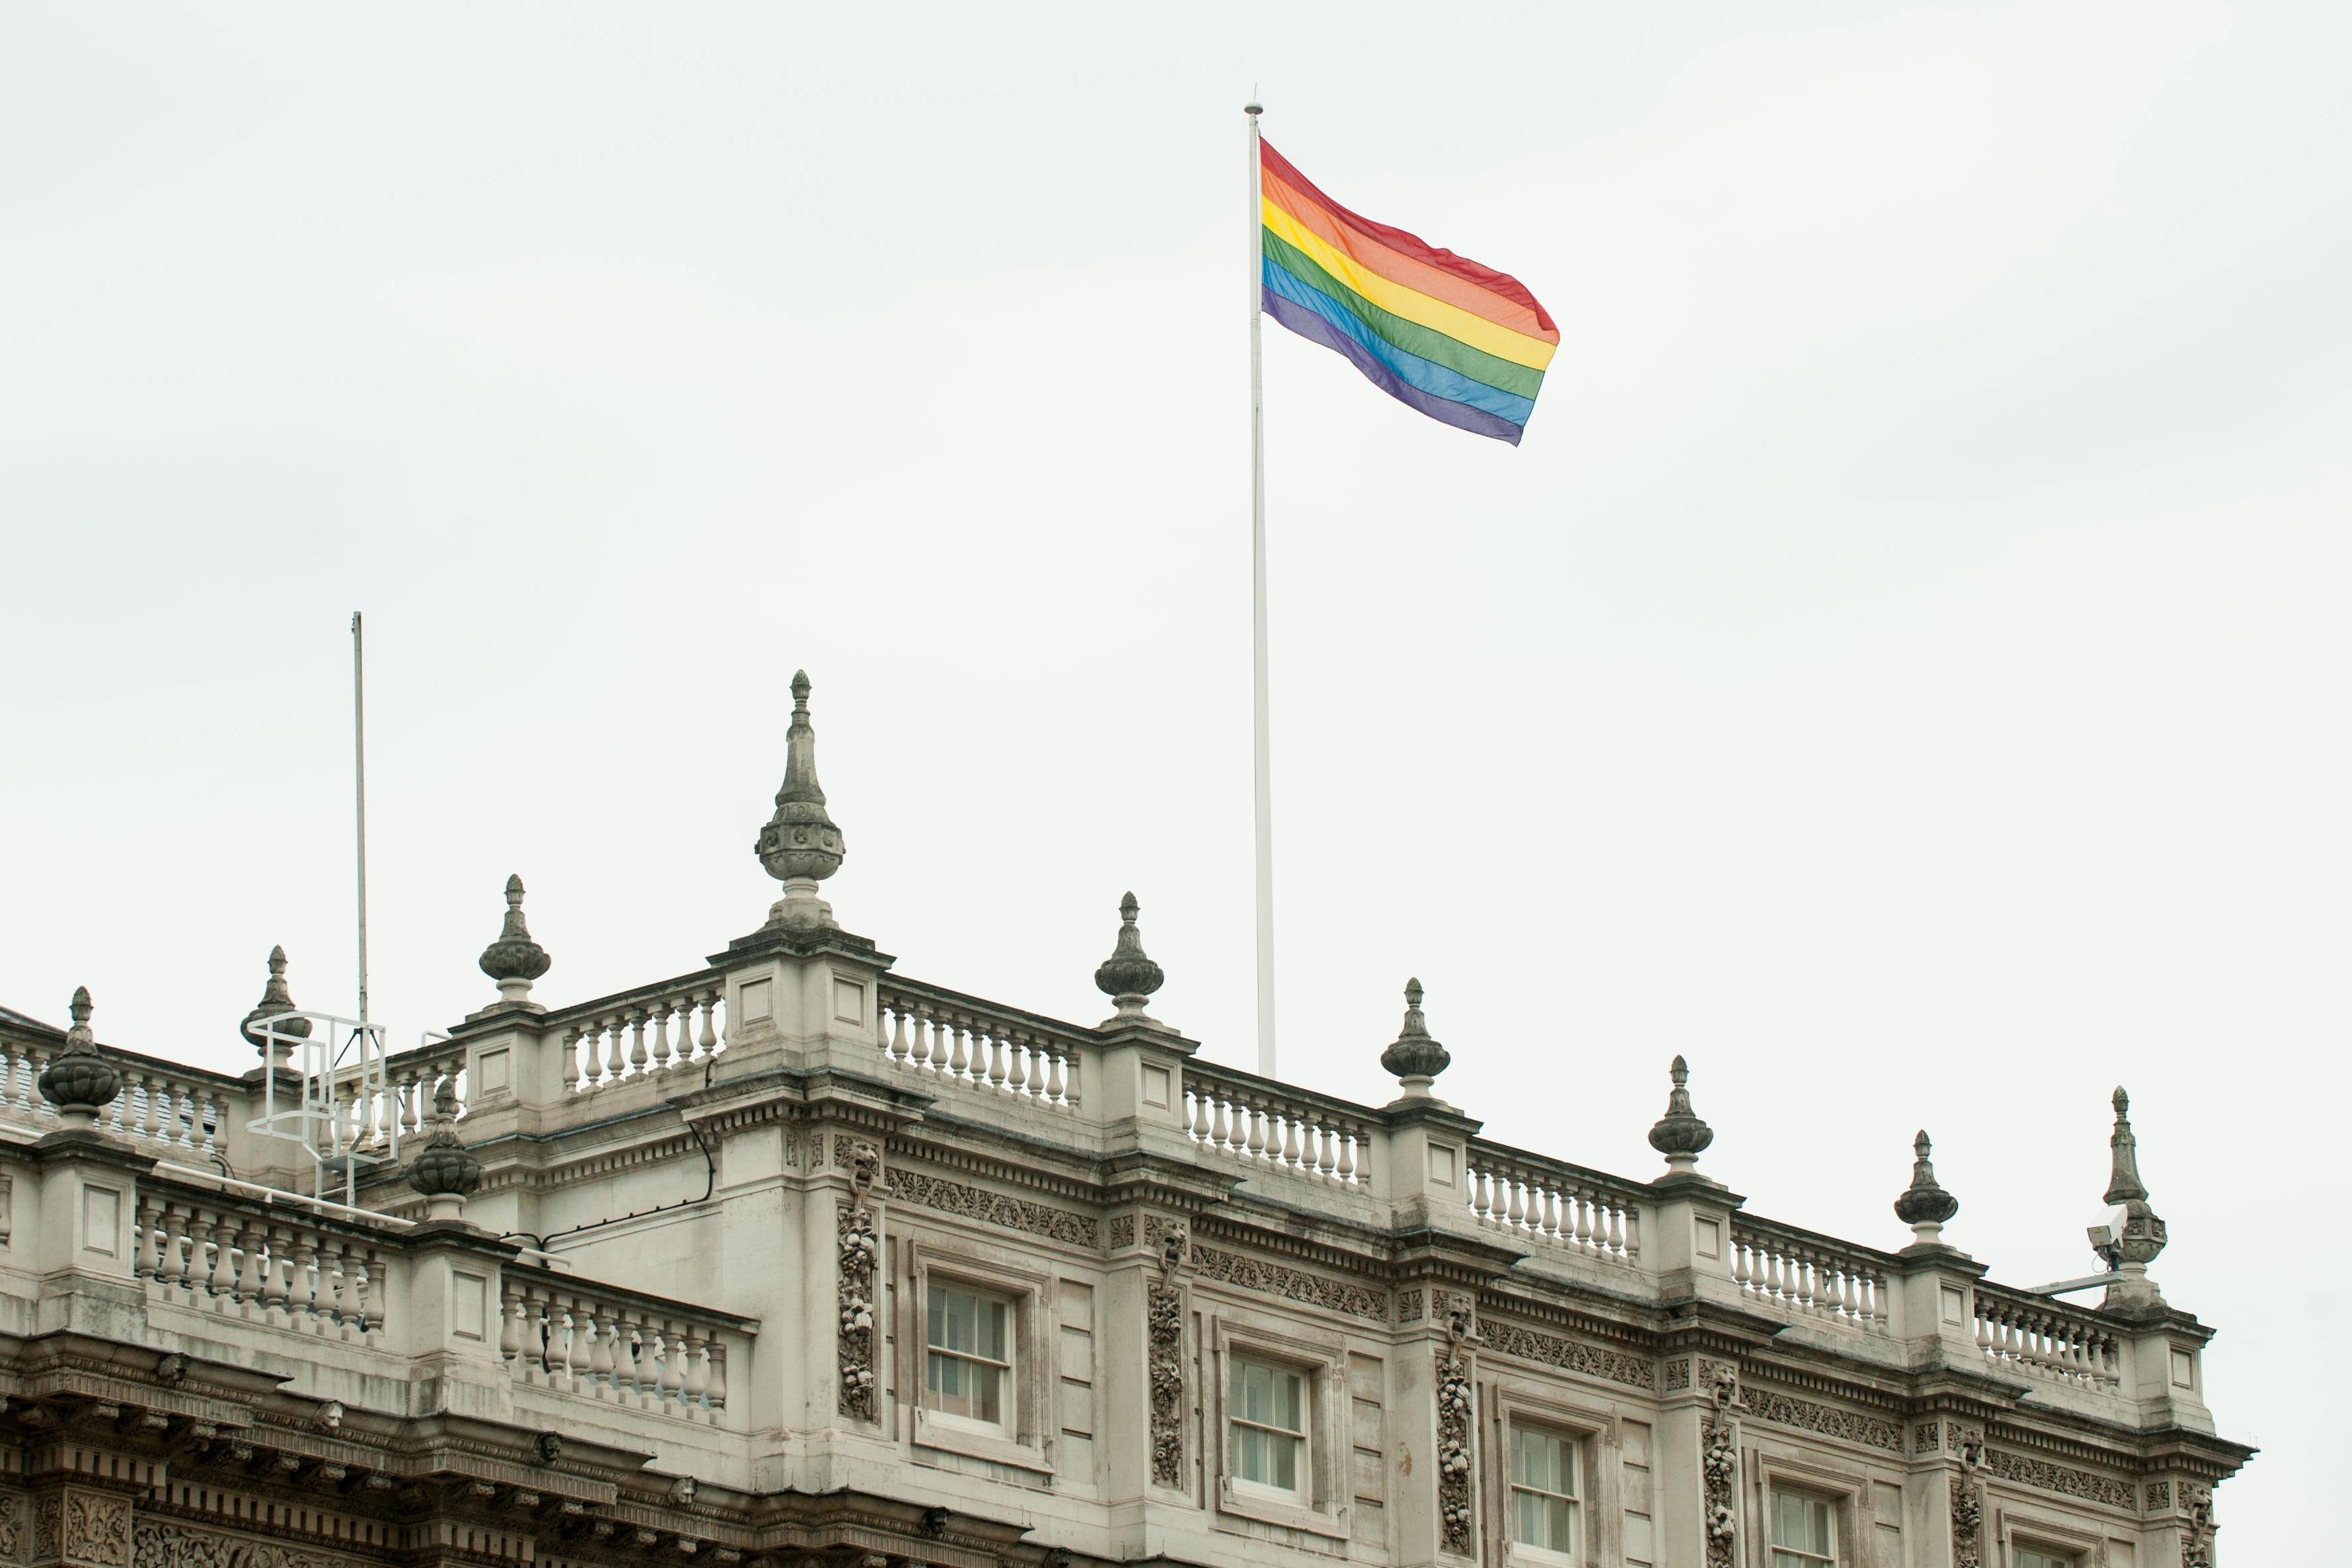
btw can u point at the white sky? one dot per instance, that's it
(1903, 670)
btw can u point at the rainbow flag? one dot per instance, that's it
(1459, 341)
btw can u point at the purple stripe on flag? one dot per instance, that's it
(1315, 329)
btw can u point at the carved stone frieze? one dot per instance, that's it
(1968, 1499)
(861, 1249)
(1454, 1509)
(2159, 1496)
(12, 1526)
(1719, 1466)
(1575, 1355)
(1410, 1305)
(2024, 1469)
(1122, 1231)
(1928, 1437)
(1678, 1375)
(82, 1529)
(166, 1543)
(1828, 1420)
(1291, 1284)
(970, 1202)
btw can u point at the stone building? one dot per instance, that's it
(796, 1260)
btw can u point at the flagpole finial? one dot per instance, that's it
(1252, 108)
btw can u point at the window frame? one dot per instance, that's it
(1026, 1439)
(2068, 1539)
(1303, 1437)
(1321, 1506)
(1847, 1489)
(1008, 1370)
(1774, 1549)
(1591, 1425)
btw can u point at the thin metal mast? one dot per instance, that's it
(359, 781)
(1258, 627)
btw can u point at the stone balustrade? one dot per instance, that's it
(641, 1033)
(1278, 1128)
(1811, 1277)
(166, 1109)
(618, 1346)
(260, 1263)
(955, 1039)
(1555, 1203)
(2043, 1338)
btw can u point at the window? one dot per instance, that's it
(1804, 1531)
(967, 1375)
(1268, 1416)
(1545, 1494)
(2034, 1557)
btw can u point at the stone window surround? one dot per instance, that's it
(1593, 1426)
(1323, 1359)
(2016, 1524)
(1846, 1488)
(1036, 1333)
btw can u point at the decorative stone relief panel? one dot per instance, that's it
(1164, 1331)
(2063, 1479)
(993, 1208)
(1533, 1344)
(1719, 1466)
(12, 1526)
(160, 1543)
(1828, 1420)
(1455, 1506)
(85, 1529)
(861, 1249)
(1291, 1284)
(2197, 1534)
(1122, 1231)
(1968, 1500)
(1678, 1375)
(2159, 1496)
(1928, 1437)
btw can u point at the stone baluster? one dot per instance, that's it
(717, 1395)
(602, 1371)
(673, 1370)
(637, 1058)
(697, 1370)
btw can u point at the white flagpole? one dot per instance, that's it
(1257, 643)
(359, 794)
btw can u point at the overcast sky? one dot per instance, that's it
(1903, 670)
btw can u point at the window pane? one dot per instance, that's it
(1543, 1461)
(2028, 1557)
(991, 1338)
(1801, 1523)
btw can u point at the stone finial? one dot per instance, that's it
(278, 1043)
(514, 960)
(2130, 1248)
(445, 1171)
(78, 1081)
(800, 846)
(1128, 976)
(1414, 1057)
(1924, 1205)
(1679, 1135)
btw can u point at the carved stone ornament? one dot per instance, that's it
(2196, 1532)
(1968, 1501)
(1455, 1506)
(1679, 1135)
(83, 1529)
(800, 846)
(1924, 1206)
(514, 960)
(972, 1202)
(861, 1249)
(166, 1543)
(277, 999)
(1719, 1469)
(1128, 976)
(1290, 1284)
(1414, 1057)
(78, 1081)
(1164, 1352)
(12, 1525)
